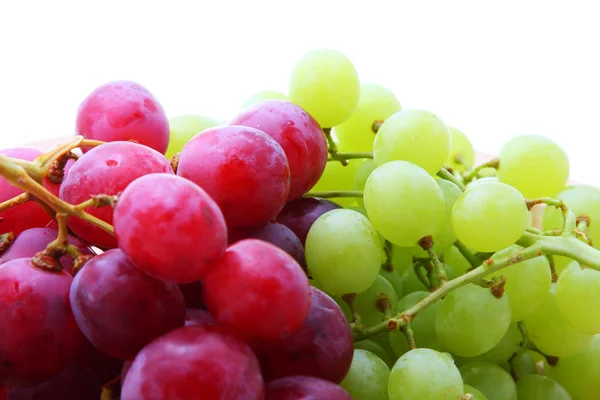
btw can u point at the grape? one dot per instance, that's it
(395, 279)
(367, 378)
(271, 292)
(490, 217)
(243, 169)
(452, 256)
(527, 284)
(471, 321)
(193, 361)
(423, 326)
(300, 214)
(39, 335)
(374, 347)
(299, 135)
(579, 373)
(578, 298)
(411, 283)
(462, 153)
(119, 308)
(494, 382)
(416, 136)
(339, 177)
(326, 85)
(560, 264)
(525, 365)
(376, 103)
(155, 205)
(366, 303)
(411, 377)
(535, 165)
(194, 316)
(551, 332)
(185, 127)
(122, 111)
(403, 202)
(279, 235)
(24, 216)
(500, 353)
(583, 201)
(34, 240)
(264, 95)
(479, 181)
(343, 252)
(535, 387)
(477, 395)
(322, 347)
(304, 388)
(107, 169)
(362, 174)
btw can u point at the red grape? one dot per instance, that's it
(299, 135)
(119, 308)
(258, 290)
(304, 388)
(194, 362)
(243, 169)
(195, 316)
(322, 347)
(170, 228)
(23, 216)
(300, 214)
(34, 240)
(38, 334)
(107, 169)
(122, 111)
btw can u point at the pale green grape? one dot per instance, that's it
(367, 378)
(343, 252)
(471, 321)
(423, 326)
(501, 352)
(411, 283)
(417, 136)
(401, 258)
(477, 395)
(263, 96)
(362, 174)
(490, 217)
(377, 349)
(404, 202)
(479, 181)
(339, 177)
(578, 298)
(326, 85)
(411, 377)
(185, 127)
(525, 365)
(579, 374)
(527, 284)
(583, 201)
(394, 278)
(445, 236)
(366, 302)
(462, 153)
(551, 332)
(376, 103)
(561, 263)
(535, 165)
(491, 380)
(540, 387)
(453, 256)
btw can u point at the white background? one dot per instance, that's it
(493, 69)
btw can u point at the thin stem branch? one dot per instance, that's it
(420, 272)
(344, 157)
(331, 146)
(523, 347)
(437, 275)
(552, 264)
(445, 174)
(389, 253)
(469, 176)
(335, 193)
(410, 337)
(467, 253)
(15, 201)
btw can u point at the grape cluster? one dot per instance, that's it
(322, 244)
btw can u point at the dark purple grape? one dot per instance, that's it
(282, 237)
(300, 214)
(304, 388)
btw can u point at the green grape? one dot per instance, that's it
(376, 103)
(579, 373)
(527, 284)
(404, 202)
(471, 321)
(411, 377)
(578, 298)
(378, 350)
(366, 302)
(500, 353)
(477, 395)
(367, 378)
(551, 332)
(491, 380)
(462, 153)
(479, 181)
(326, 85)
(339, 177)
(525, 365)
(263, 96)
(423, 326)
(411, 283)
(583, 201)
(445, 236)
(540, 387)
(490, 217)
(416, 136)
(452, 256)
(394, 278)
(561, 263)
(362, 174)
(401, 258)
(535, 165)
(185, 127)
(343, 252)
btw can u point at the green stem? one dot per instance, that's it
(445, 174)
(467, 253)
(331, 146)
(420, 272)
(469, 176)
(335, 193)
(523, 347)
(344, 157)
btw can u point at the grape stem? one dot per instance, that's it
(467, 253)
(445, 174)
(345, 157)
(474, 173)
(513, 361)
(335, 193)
(356, 319)
(420, 269)
(6, 239)
(15, 201)
(552, 264)
(389, 253)
(331, 146)
(437, 273)
(410, 337)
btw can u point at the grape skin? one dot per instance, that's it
(367, 378)
(494, 382)
(184, 127)
(460, 149)
(299, 215)
(477, 395)
(578, 298)
(304, 388)
(534, 387)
